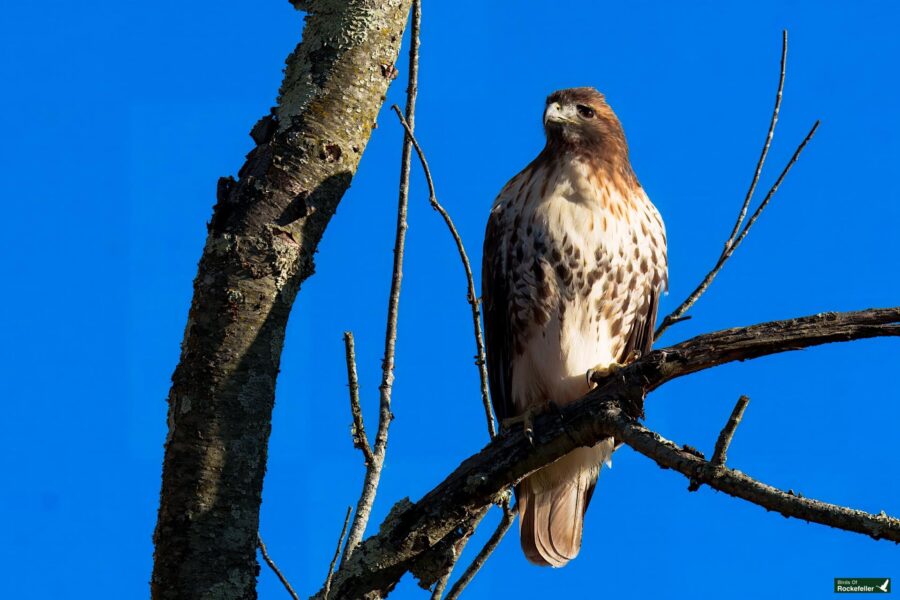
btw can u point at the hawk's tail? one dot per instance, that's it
(552, 503)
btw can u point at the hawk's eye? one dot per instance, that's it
(585, 111)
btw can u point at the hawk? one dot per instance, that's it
(574, 265)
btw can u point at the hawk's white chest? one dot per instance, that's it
(582, 256)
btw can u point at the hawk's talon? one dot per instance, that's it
(527, 419)
(600, 372)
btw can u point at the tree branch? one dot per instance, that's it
(433, 568)
(506, 521)
(669, 455)
(765, 149)
(732, 243)
(609, 410)
(480, 359)
(720, 454)
(262, 237)
(374, 467)
(337, 552)
(265, 554)
(360, 439)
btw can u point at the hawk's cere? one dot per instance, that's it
(574, 265)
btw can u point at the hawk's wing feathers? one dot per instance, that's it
(497, 334)
(640, 339)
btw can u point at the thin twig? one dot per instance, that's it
(695, 295)
(360, 439)
(765, 149)
(734, 240)
(337, 552)
(467, 529)
(480, 360)
(720, 454)
(777, 184)
(438, 592)
(274, 567)
(373, 470)
(506, 521)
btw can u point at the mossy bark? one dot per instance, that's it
(262, 237)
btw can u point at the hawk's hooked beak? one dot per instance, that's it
(555, 113)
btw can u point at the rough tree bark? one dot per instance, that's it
(262, 236)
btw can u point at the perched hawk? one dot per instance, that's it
(574, 265)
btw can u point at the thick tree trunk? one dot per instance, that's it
(262, 237)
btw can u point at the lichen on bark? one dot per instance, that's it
(262, 236)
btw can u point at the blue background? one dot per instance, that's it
(118, 118)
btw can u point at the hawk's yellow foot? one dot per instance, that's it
(527, 419)
(598, 373)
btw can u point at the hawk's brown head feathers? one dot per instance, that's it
(579, 121)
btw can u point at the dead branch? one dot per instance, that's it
(360, 439)
(732, 243)
(677, 315)
(506, 521)
(265, 554)
(611, 410)
(727, 434)
(765, 149)
(480, 360)
(337, 552)
(374, 467)
(435, 566)
(669, 455)
(438, 592)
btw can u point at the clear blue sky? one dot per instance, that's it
(118, 118)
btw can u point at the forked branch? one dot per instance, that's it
(506, 520)
(765, 149)
(480, 360)
(734, 240)
(375, 457)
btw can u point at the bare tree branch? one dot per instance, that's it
(433, 568)
(732, 243)
(669, 455)
(438, 592)
(262, 237)
(609, 411)
(676, 315)
(720, 454)
(337, 552)
(766, 145)
(480, 360)
(506, 521)
(274, 567)
(473, 300)
(360, 439)
(374, 467)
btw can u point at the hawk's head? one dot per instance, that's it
(581, 118)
